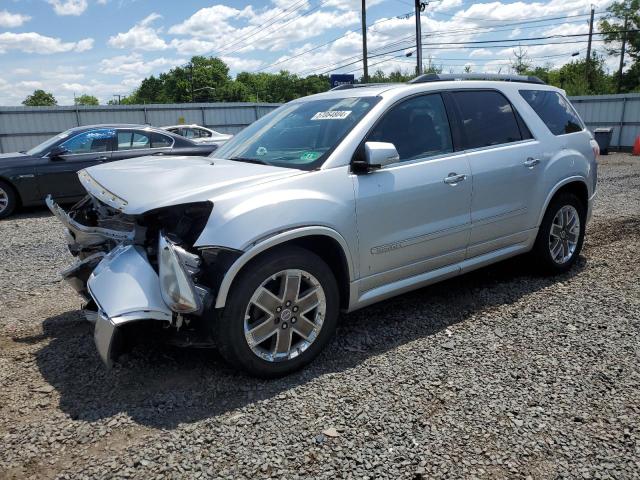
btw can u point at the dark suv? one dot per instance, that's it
(26, 178)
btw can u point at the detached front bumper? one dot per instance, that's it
(115, 275)
(125, 288)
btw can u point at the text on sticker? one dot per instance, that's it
(332, 115)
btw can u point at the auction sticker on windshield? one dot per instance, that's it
(332, 115)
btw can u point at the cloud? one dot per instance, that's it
(211, 22)
(239, 64)
(69, 7)
(213, 29)
(142, 36)
(12, 20)
(134, 65)
(32, 42)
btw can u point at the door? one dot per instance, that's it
(138, 143)
(413, 216)
(57, 175)
(506, 163)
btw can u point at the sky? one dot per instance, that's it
(106, 47)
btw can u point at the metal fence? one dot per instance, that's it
(24, 127)
(622, 112)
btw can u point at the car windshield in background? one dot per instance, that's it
(44, 147)
(297, 135)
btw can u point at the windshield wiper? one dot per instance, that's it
(249, 160)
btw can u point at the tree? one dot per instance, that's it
(40, 98)
(520, 62)
(87, 100)
(619, 14)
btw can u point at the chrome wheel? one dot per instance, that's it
(285, 315)
(564, 234)
(4, 200)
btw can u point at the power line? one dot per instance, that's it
(457, 48)
(409, 38)
(350, 32)
(486, 44)
(435, 61)
(260, 28)
(297, 17)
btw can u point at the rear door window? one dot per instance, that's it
(487, 118)
(418, 127)
(554, 110)
(160, 141)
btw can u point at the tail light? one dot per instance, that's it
(596, 149)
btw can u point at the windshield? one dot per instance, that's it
(44, 147)
(297, 135)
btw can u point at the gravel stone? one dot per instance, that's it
(497, 374)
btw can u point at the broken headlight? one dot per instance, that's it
(176, 267)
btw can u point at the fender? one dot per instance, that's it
(273, 241)
(555, 189)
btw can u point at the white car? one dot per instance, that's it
(331, 202)
(199, 134)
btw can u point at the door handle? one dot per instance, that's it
(102, 159)
(531, 162)
(453, 179)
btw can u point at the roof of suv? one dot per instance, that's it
(442, 83)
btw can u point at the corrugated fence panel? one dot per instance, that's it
(620, 112)
(93, 117)
(24, 127)
(165, 117)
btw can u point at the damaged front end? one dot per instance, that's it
(142, 267)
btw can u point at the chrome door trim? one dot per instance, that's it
(420, 239)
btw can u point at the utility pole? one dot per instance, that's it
(588, 64)
(624, 44)
(191, 79)
(419, 8)
(365, 66)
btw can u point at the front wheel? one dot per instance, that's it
(280, 314)
(561, 234)
(8, 199)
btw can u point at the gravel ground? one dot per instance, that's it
(497, 374)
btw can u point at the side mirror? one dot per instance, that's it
(57, 151)
(376, 155)
(379, 154)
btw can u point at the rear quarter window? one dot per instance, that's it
(554, 110)
(487, 118)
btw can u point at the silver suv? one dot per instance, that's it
(331, 202)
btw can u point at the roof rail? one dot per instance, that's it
(347, 86)
(439, 77)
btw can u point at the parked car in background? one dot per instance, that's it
(333, 201)
(199, 134)
(26, 178)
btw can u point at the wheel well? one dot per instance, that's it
(15, 190)
(328, 250)
(577, 188)
(331, 252)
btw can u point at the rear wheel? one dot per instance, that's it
(561, 234)
(280, 314)
(8, 199)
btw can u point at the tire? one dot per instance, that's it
(8, 199)
(283, 326)
(551, 257)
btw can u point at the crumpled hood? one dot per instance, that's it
(147, 183)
